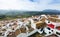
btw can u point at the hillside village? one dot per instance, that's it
(34, 26)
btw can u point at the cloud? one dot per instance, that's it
(17, 4)
(36, 5)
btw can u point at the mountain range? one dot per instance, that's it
(18, 12)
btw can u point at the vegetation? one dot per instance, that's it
(8, 14)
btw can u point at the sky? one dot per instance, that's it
(29, 5)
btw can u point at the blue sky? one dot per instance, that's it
(30, 5)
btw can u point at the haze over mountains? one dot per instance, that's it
(18, 12)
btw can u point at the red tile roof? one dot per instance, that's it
(51, 26)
